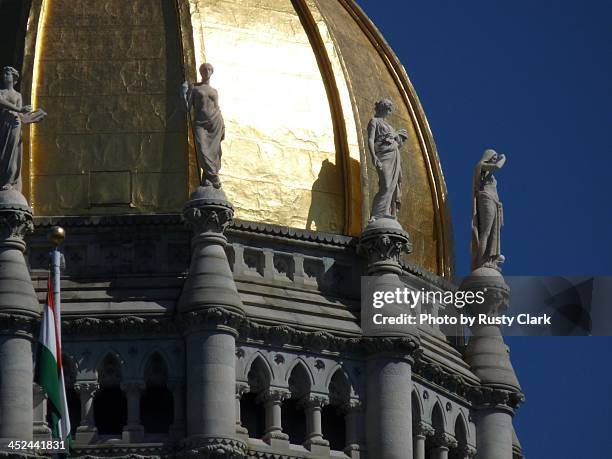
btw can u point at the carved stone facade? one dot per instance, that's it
(296, 371)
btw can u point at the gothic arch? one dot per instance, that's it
(260, 364)
(438, 420)
(339, 386)
(303, 365)
(461, 431)
(163, 356)
(299, 379)
(104, 365)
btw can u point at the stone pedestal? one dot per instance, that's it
(389, 367)
(211, 312)
(488, 357)
(19, 316)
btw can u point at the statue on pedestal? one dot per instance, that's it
(12, 115)
(487, 213)
(208, 125)
(384, 143)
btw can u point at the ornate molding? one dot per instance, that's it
(15, 222)
(213, 447)
(214, 216)
(384, 244)
(89, 325)
(456, 384)
(15, 323)
(423, 429)
(444, 440)
(212, 317)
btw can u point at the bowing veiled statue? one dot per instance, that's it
(487, 213)
(208, 125)
(384, 143)
(12, 115)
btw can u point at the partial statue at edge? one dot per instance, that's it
(487, 213)
(12, 115)
(384, 144)
(208, 125)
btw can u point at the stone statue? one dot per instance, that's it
(384, 143)
(487, 213)
(12, 115)
(208, 125)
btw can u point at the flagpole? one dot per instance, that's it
(56, 236)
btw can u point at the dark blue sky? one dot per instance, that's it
(531, 79)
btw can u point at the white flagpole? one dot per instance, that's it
(56, 236)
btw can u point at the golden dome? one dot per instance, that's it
(297, 81)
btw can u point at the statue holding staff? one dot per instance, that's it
(12, 115)
(384, 143)
(487, 212)
(208, 125)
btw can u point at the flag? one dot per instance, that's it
(49, 372)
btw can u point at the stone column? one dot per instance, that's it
(133, 432)
(177, 429)
(87, 430)
(488, 357)
(241, 389)
(211, 312)
(41, 428)
(315, 442)
(273, 400)
(420, 434)
(389, 366)
(19, 317)
(353, 418)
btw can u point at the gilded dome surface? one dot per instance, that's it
(297, 81)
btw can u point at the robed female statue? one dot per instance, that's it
(487, 212)
(208, 125)
(12, 115)
(384, 143)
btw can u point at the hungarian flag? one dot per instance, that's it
(49, 372)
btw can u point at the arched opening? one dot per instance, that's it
(437, 422)
(156, 401)
(293, 413)
(461, 437)
(333, 416)
(252, 409)
(110, 404)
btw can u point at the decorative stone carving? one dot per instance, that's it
(382, 243)
(487, 213)
(15, 221)
(384, 143)
(208, 211)
(444, 440)
(12, 115)
(208, 125)
(423, 429)
(213, 447)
